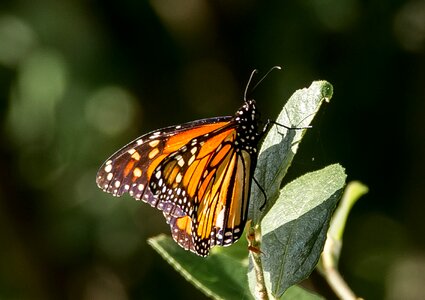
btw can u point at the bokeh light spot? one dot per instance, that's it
(406, 278)
(111, 110)
(42, 80)
(409, 26)
(185, 17)
(16, 40)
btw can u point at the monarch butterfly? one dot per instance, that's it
(198, 174)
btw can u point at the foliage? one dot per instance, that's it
(293, 226)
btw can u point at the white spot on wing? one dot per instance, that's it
(220, 218)
(108, 168)
(180, 162)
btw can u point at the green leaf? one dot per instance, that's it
(294, 230)
(328, 262)
(352, 193)
(296, 292)
(281, 144)
(222, 275)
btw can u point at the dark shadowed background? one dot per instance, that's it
(79, 79)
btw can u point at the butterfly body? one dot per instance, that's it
(198, 174)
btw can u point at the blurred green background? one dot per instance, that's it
(79, 79)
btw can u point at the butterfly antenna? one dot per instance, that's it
(262, 78)
(249, 82)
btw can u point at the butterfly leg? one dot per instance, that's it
(263, 191)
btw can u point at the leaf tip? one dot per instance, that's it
(326, 90)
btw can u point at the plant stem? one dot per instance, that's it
(328, 264)
(332, 275)
(255, 252)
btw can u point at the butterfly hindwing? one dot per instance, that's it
(219, 219)
(181, 231)
(222, 211)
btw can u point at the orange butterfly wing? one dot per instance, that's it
(198, 174)
(210, 181)
(130, 168)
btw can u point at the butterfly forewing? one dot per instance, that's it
(130, 168)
